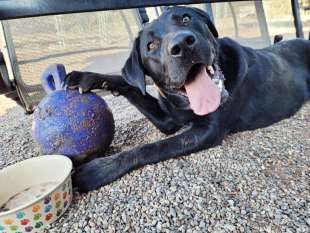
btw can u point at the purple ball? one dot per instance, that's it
(73, 124)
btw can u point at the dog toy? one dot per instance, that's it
(66, 122)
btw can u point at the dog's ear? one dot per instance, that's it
(133, 72)
(204, 15)
(234, 63)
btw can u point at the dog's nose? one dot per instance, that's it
(181, 41)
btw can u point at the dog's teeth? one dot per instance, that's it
(211, 70)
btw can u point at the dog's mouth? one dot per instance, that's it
(204, 88)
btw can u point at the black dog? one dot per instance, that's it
(214, 86)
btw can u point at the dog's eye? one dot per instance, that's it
(151, 46)
(186, 19)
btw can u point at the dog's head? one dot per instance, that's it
(179, 51)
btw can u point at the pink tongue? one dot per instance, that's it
(204, 96)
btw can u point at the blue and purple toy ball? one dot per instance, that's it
(66, 122)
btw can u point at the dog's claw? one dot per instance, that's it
(81, 90)
(72, 87)
(105, 85)
(115, 93)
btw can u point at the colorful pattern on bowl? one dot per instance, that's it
(35, 218)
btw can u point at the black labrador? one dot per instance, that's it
(212, 86)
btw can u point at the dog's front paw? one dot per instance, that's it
(98, 172)
(81, 81)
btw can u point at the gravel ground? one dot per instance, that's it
(257, 181)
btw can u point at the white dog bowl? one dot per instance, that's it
(34, 193)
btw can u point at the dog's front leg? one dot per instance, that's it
(104, 170)
(146, 104)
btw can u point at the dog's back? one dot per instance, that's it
(277, 83)
(296, 56)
